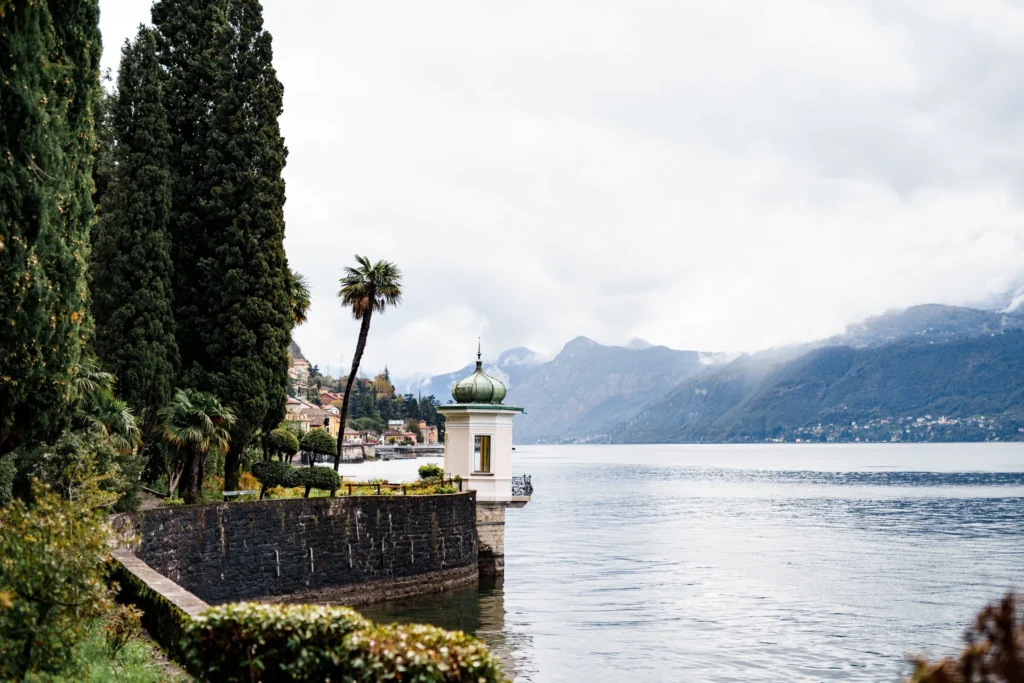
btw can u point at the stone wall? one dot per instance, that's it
(348, 549)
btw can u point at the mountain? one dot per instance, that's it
(586, 388)
(927, 321)
(828, 389)
(512, 367)
(296, 352)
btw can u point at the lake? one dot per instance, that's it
(740, 562)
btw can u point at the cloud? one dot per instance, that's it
(719, 176)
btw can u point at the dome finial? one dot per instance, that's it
(479, 387)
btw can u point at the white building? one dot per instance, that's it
(478, 448)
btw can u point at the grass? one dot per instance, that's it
(139, 661)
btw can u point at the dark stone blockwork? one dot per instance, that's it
(244, 551)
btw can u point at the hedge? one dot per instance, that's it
(261, 642)
(323, 478)
(272, 473)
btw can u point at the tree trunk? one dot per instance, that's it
(191, 492)
(364, 331)
(231, 462)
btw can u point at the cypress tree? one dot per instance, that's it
(131, 272)
(49, 80)
(232, 281)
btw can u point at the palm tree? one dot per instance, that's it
(298, 296)
(98, 411)
(197, 424)
(367, 288)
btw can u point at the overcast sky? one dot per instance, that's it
(705, 175)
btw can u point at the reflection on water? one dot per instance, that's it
(479, 610)
(743, 563)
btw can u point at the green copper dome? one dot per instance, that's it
(479, 387)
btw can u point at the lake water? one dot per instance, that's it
(740, 563)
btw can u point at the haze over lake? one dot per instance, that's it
(741, 563)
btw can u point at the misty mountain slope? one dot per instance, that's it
(961, 377)
(582, 391)
(689, 411)
(588, 387)
(928, 321)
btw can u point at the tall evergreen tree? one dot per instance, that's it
(131, 272)
(233, 284)
(49, 81)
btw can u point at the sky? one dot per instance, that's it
(722, 176)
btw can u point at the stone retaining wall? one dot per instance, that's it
(348, 550)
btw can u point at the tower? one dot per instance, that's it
(478, 448)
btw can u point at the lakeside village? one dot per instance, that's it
(908, 429)
(380, 422)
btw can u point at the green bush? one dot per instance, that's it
(271, 473)
(251, 641)
(8, 470)
(323, 478)
(318, 441)
(431, 472)
(282, 442)
(51, 582)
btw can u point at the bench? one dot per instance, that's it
(231, 494)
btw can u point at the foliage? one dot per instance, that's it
(994, 651)
(283, 443)
(271, 473)
(51, 569)
(431, 471)
(367, 424)
(98, 411)
(49, 82)
(86, 470)
(239, 642)
(197, 424)
(234, 312)
(318, 441)
(8, 470)
(173, 501)
(138, 661)
(299, 296)
(130, 270)
(316, 478)
(365, 289)
(122, 624)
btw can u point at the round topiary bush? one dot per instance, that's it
(283, 443)
(431, 472)
(322, 478)
(318, 442)
(271, 473)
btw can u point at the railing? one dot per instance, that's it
(522, 486)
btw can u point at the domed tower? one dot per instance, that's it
(478, 448)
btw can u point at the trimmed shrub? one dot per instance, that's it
(318, 441)
(283, 443)
(271, 473)
(431, 472)
(251, 641)
(323, 478)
